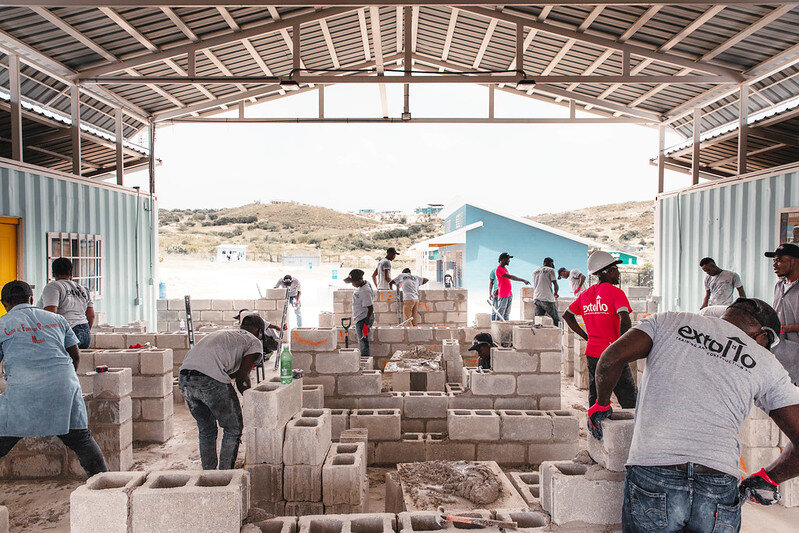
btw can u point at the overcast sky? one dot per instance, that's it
(524, 169)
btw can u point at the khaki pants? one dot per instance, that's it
(410, 308)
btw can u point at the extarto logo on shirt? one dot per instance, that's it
(731, 350)
(596, 307)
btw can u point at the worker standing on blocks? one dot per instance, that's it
(701, 376)
(606, 313)
(43, 395)
(204, 383)
(381, 277)
(786, 303)
(363, 311)
(409, 285)
(575, 277)
(292, 285)
(545, 291)
(504, 290)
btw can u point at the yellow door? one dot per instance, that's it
(8, 252)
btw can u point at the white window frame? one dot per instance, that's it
(87, 261)
(785, 211)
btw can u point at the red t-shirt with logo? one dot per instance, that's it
(503, 283)
(599, 306)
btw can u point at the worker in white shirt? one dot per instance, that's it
(292, 285)
(409, 285)
(575, 277)
(382, 274)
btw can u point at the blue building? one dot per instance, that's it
(475, 236)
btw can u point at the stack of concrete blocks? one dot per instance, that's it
(267, 409)
(313, 396)
(453, 361)
(502, 332)
(580, 363)
(219, 312)
(108, 405)
(167, 501)
(567, 351)
(345, 484)
(527, 303)
(514, 437)
(177, 342)
(563, 304)
(762, 442)
(568, 487)
(482, 321)
(436, 306)
(305, 447)
(140, 326)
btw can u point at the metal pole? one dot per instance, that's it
(321, 101)
(661, 157)
(192, 70)
(16, 107)
(695, 147)
(295, 55)
(74, 100)
(120, 156)
(743, 127)
(519, 47)
(152, 156)
(490, 101)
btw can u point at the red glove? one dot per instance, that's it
(760, 488)
(365, 330)
(576, 291)
(596, 414)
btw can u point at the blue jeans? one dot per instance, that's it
(547, 308)
(211, 402)
(297, 310)
(494, 302)
(363, 341)
(503, 306)
(84, 335)
(664, 500)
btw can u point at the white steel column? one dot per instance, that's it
(743, 127)
(74, 130)
(120, 156)
(16, 107)
(490, 101)
(695, 147)
(321, 89)
(661, 157)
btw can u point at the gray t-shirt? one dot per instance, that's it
(362, 298)
(700, 379)
(383, 266)
(70, 298)
(409, 284)
(574, 280)
(219, 354)
(293, 288)
(542, 284)
(722, 287)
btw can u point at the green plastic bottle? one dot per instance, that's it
(285, 366)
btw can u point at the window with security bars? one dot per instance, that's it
(85, 252)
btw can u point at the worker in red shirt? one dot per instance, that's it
(606, 313)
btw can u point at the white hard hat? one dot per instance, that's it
(600, 260)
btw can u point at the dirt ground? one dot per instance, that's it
(37, 506)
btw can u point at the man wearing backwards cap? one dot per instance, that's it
(43, 396)
(606, 313)
(482, 344)
(363, 311)
(702, 375)
(786, 303)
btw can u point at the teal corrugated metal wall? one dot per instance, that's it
(733, 223)
(48, 203)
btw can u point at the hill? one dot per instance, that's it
(628, 226)
(271, 229)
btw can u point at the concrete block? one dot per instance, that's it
(550, 362)
(344, 361)
(354, 435)
(425, 405)
(304, 508)
(759, 433)
(155, 362)
(516, 403)
(302, 483)
(339, 422)
(266, 482)
(153, 431)
(386, 400)
(382, 424)
(367, 383)
(545, 339)
(537, 453)
(482, 320)
(348, 523)
(617, 434)
(386, 334)
(488, 383)
(271, 405)
(530, 426)
(106, 341)
(549, 403)
(264, 445)
(307, 438)
(410, 449)
(565, 425)
(510, 360)
(113, 411)
(115, 383)
(343, 476)
(504, 453)
(755, 458)
(102, 504)
(395, 502)
(469, 424)
(564, 484)
(528, 485)
(152, 386)
(313, 339)
(313, 396)
(790, 493)
(538, 385)
(278, 524)
(420, 334)
(128, 358)
(424, 521)
(179, 341)
(181, 500)
(157, 408)
(328, 384)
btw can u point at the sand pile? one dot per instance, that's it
(437, 483)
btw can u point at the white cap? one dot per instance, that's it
(600, 260)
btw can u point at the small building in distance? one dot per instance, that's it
(429, 209)
(231, 253)
(476, 235)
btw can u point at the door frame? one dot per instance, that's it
(17, 221)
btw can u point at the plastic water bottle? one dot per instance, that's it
(182, 325)
(285, 366)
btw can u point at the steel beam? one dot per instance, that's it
(120, 154)
(16, 108)
(743, 127)
(303, 3)
(74, 104)
(661, 158)
(426, 120)
(695, 147)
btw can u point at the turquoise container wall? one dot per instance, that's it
(733, 222)
(53, 202)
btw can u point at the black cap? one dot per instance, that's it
(482, 338)
(16, 292)
(504, 255)
(356, 274)
(391, 250)
(784, 249)
(760, 310)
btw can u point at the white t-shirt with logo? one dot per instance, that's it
(383, 266)
(409, 284)
(722, 287)
(701, 377)
(70, 298)
(542, 284)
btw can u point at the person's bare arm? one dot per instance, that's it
(582, 280)
(787, 464)
(741, 292)
(625, 323)
(514, 278)
(555, 287)
(273, 326)
(571, 320)
(491, 287)
(242, 375)
(633, 345)
(374, 277)
(704, 302)
(90, 316)
(74, 353)
(424, 280)
(51, 308)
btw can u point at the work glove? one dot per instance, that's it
(596, 414)
(365, 330)
(760, 488)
